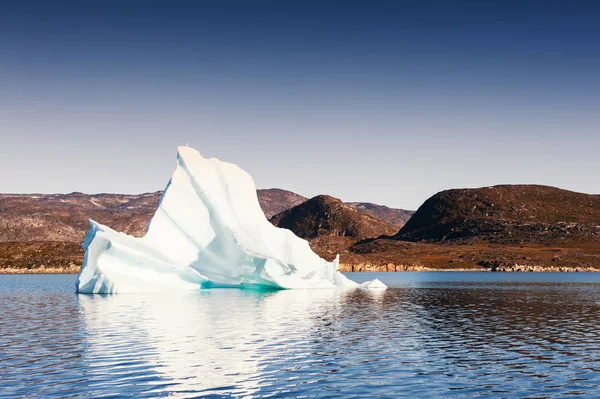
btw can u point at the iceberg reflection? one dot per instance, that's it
(218, 341)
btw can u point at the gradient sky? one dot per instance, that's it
(386, 102)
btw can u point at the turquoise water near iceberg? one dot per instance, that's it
(429, 335)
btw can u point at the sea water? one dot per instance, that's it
(505, 335)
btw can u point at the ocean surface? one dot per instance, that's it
(442, 335)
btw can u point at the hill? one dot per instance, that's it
(503, 228)
(64, 217)
(324, 215)
(397, 217)
(507, 213)
(330, 225)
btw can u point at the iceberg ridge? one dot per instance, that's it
(208, 231)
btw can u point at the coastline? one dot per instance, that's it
(41, 270)
(390, 267)
(361, 268)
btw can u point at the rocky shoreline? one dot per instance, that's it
(344, 267)
(41, 270)
(390, 267)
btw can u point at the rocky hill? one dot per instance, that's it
(330, 225)
(501, 228)
(506, 214)
(397, 217)
(64, 217)
(328, 216)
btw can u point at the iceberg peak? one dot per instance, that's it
(208, 231)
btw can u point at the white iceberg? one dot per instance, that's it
(208, 231)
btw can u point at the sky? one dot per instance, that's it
(378, 101)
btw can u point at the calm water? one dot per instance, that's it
(429, 335)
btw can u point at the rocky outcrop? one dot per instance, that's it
(391, 267)
(538, 268)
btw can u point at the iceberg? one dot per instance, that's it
(208, 231)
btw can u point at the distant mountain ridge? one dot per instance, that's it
(397, 217)
(275, 200)
(502, 228)
(64, 217)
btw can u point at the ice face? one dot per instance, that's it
(208, 231)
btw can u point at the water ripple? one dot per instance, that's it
(461, 337)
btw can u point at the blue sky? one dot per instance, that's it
(387, 102)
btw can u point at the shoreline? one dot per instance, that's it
(391, 268)
(41, 270)
(409, 269)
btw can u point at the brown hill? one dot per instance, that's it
(508, 228)
(506, 214)
(64, 217)
(328, 216)
(397, 217)
(330, 225)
